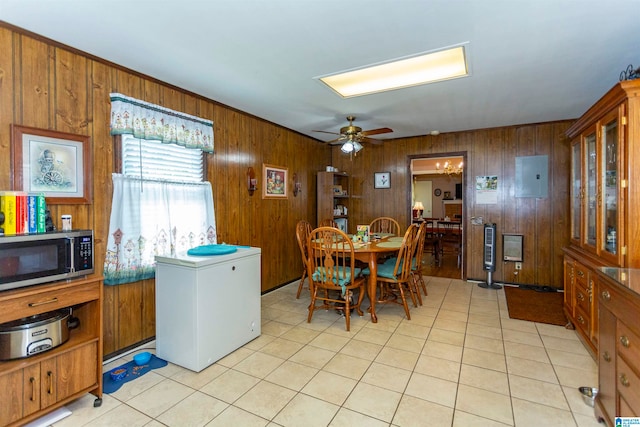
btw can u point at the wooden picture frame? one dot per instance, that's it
(382, 180)
(57, 164)
(275, 182)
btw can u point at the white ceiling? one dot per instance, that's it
(530, 61)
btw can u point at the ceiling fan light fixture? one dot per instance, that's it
(348, 147)
(419, 69)
(357, 146)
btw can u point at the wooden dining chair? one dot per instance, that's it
(394, 275)
(384, 224)
(417, 267)
(432, 241)
(328, 222)
(303, 229)
(331, 269)
(450, 239)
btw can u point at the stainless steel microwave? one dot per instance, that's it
(31, 259)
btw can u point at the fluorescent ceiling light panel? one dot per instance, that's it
(426, 68)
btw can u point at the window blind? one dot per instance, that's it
(153, 160)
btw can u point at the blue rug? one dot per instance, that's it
(133, 371)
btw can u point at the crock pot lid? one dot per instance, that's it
(35, 320)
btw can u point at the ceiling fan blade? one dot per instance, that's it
(337, 141)
(371, 140)
(376, 131)
(324, 131)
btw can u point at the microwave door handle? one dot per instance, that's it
(70, 251)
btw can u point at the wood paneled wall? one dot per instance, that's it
(46, 85)
(543, 222)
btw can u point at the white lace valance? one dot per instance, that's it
(148, 121)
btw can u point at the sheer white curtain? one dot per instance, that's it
(150, 218)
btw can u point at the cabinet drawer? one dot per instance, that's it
(583, 322)
(626, 410)
(581, 274)
(628, 344)
(624, 307)
(48, 300)
(581, 298)
(628, 384)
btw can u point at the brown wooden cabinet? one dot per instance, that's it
(605, 171)
(580, 287)
(619, 345)
(334, 198)
(32, 386)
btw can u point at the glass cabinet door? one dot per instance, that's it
(609, 212)
(591, 188)
(576, 191)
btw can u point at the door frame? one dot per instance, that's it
(463, 155)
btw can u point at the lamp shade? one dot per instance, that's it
(347, 147)
(418, 206)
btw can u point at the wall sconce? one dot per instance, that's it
(252, 181)
(297, 185)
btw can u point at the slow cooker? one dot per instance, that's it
(32, 335)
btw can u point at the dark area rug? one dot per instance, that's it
(536, 305)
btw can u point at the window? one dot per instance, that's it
(161, 206)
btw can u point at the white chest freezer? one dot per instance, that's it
(206, 306)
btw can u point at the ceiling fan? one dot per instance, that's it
(351, 137)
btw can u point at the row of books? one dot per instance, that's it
(22, 212)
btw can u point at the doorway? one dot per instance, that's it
(441, 193)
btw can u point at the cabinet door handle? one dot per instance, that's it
(50, 301)
(580, 297)
(624, 381)
(606, 295)
(580, 273)
(606, 356)
(49, 382)
(624, 341)
(33, 389)
(581, 319)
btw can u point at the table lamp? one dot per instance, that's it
(418, 208)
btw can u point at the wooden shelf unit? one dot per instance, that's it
(328, 200)
(33, 386)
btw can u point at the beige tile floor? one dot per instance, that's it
(459, 361)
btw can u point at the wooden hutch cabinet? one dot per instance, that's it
(605, 196)
(334, 198)
(33, 386)
(619, 349)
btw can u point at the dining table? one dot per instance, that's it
(371, 252)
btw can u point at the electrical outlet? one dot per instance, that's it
(518, 266)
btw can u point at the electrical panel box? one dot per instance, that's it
(532, 176)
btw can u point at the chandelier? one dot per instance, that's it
(449, 168)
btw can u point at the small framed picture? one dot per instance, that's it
(275, 180)
(382, 180)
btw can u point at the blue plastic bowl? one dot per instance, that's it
(118, 373)
(142, 358)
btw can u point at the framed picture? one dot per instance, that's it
(55, 163)
(275, 181)
(382, 180)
